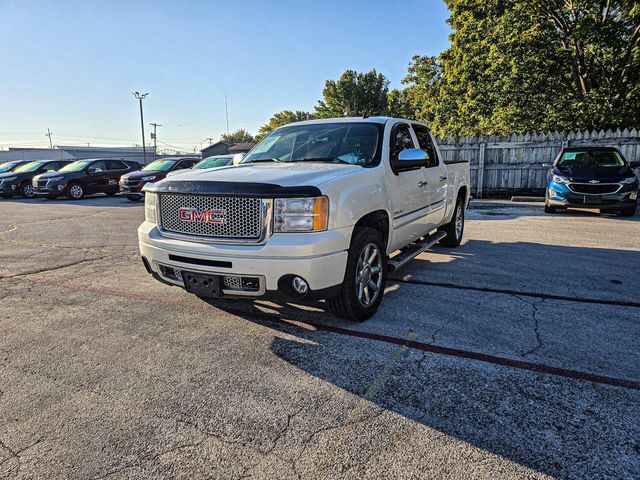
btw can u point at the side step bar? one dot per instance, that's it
(413, 251)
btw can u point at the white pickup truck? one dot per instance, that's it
(320, 209)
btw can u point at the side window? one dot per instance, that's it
(184, 164)
(98, 166)
(115, 165)
(400, 140)
(51, 166)
(426, 144)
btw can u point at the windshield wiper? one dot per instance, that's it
(325, 159)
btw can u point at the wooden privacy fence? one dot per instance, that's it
(513, 164)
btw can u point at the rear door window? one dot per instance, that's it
(426, 144)
(115, 165)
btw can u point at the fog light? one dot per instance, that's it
(61, 187)
(299, 285)
(633, 195)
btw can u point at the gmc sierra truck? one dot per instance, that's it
(320, 209)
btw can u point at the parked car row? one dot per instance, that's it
(75, 179)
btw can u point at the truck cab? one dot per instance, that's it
(319, 209)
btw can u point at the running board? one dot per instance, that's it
(413, 251)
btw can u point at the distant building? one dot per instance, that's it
(224, 148)
(77, 153)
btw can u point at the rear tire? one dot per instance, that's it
(358, 302)
(134, 199)
(455, 228)
(548, 209)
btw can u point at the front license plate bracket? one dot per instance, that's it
(202, 284)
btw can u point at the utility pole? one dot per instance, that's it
(140, 97)
(209, 139)
(226, 109)
(49, 133)
(154, 136)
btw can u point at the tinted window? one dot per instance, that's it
(29, 167)
(185, 164)
(400, 140)
(160, 166)
(98, 166)
(591, 158)
(426, 144)
(51, 166)
(115, 165)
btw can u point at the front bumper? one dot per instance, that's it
(559, 195)
(131, 190)
(7, 188)
(319, 258)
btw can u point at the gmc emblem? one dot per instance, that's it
(201, 216)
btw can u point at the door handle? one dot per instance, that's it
(443, 178)
(422, 183)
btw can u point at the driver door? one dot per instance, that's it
(98, 179)
(409, 196)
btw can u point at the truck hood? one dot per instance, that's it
(283, 174)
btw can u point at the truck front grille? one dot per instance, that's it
(226, 218)
(594, 188)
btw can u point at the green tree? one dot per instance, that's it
(239, 136)
(531, 65)
(281, 118)
(354, 94)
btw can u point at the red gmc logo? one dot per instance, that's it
(201, 216)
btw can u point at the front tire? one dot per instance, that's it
(364, 279)
(26, 190)
(455, 228)
(134, 199)
(75, 191)
(629, 212)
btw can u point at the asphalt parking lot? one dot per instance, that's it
(516, 355)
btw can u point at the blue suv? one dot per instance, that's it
(592, 177)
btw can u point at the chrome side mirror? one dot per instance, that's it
(413, 155)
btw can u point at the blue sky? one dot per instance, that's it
(72, 65)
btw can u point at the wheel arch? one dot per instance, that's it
(378, 220)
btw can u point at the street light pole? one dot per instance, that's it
(140, 97)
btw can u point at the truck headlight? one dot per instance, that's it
(150, 204)
(629, 180)
(301, 214)
(559, 179)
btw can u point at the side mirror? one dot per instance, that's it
(413, 155)
(547, 165)
(410, 159)
(634, 164)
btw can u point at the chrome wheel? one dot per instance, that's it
(75, 191)
(459, 221)
(369, 275)
(27, 190)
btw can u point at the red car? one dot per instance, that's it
(131, 184)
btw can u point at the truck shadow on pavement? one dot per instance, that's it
(558, 426)
(553, 425)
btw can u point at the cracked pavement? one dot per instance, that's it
(105, 373)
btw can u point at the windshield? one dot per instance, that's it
(159, 166)
(8, 167)
(354, 143)
(213, 162)
(29, 167)
(75, 166)
(591, 158)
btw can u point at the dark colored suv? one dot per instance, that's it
(592, 177)
(19, 180)
(131, 184)
(83, 177)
